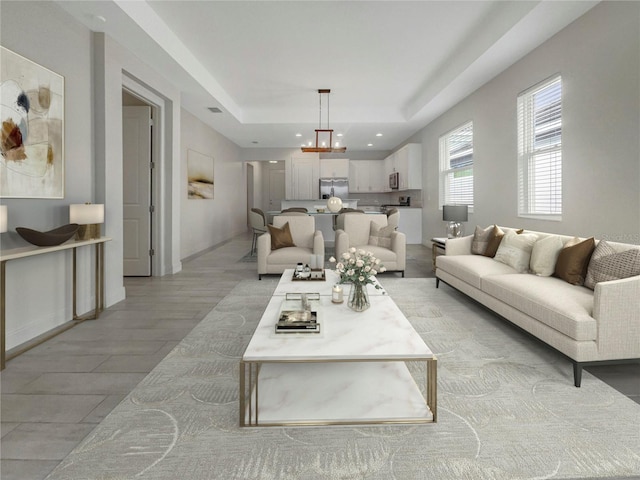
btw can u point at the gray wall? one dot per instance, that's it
(205, 223)
(38, 289)
(598, 56)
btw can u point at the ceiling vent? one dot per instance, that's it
(214, 110)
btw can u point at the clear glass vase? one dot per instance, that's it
(358, 297)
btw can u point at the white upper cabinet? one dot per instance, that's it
(366, 176)
(302, 177)
(408, 163)
(334, 168)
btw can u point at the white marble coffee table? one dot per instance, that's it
(353, 372)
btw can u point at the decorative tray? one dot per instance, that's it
(317, 275)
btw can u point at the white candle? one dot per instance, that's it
(336, 294)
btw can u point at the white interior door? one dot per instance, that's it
(276, 189)
(136, 144)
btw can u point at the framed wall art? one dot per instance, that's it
(32, 135)
(199, 176)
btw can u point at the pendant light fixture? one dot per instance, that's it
(324, 144)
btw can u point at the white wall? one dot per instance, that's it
(205, 223)
(599, 58)
(38, 289)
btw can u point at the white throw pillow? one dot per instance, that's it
(515, 250)
(544, 255)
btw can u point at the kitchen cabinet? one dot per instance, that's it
(334, 168)
(408, 163)
(366, 176)
(302, 175)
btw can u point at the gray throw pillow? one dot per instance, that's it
(609, 264)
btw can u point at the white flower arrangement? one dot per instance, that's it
(358, 267)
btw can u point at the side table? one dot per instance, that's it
(437, 248)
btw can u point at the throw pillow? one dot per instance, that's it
(494, 241)
(481, 240)
(280, 237)
(515, 250)
(544, 255)
(573, 260)
(608, 264)
(380, 235)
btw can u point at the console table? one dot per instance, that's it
(23, 252)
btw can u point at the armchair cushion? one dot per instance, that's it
(380, 235)
(280, 237)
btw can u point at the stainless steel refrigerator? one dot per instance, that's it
(334, 187)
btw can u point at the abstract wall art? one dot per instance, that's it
(199, 176)
(32, 133)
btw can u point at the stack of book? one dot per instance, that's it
(298, 321)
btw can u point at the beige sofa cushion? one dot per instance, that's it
(515, 250)
(544, 255)
(471, 268)
(552, 301)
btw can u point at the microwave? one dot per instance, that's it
(394, 180)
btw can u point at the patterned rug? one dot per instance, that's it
(507, 409)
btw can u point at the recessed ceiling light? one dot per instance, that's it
(369, 144)
(378, 134)
(339, 135)
(298, 134)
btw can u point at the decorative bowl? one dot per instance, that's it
(51, 238)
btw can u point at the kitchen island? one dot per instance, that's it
(312, 205)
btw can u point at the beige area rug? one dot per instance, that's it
(507, 409)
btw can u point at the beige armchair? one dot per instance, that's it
(306, 239)
(371, 232)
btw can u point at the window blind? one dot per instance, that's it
(456, 166)
(540, 150)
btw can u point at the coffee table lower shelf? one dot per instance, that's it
(336, 393)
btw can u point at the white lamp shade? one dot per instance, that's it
(3, 218)
(86, 213)
(334, 204)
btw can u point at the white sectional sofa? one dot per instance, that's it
(588, 326)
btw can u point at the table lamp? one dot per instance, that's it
(88, 216)
(454, 214)
(3, 218)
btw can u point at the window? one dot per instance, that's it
(456, 167)
(540, 151)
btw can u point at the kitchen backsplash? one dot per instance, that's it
(377, 199)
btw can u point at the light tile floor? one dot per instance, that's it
(55, 394)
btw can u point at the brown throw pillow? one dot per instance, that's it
(481, 240)
(573, 260)
(280, 237)
(493, 242)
